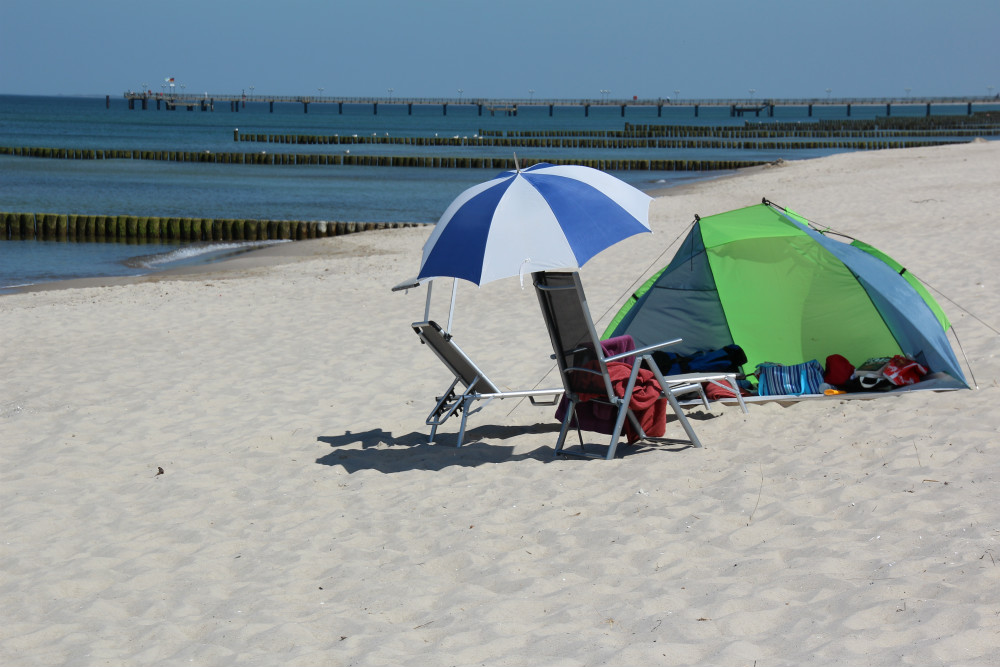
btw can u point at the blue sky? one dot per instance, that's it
(558, 48)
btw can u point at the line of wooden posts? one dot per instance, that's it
(492, 163)
(140, 229)
(601, 142)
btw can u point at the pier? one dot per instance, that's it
(510, 107)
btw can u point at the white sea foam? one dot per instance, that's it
(201, 253)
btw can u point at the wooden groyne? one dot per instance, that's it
(144, 229)
(929, 131)
(491, 163)
(827, 134)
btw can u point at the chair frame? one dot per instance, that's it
(547, 283)
(477, 386)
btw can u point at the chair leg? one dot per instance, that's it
(623, 411)
(564, 429)
(465, 415)
(739, 396)
(682, 418)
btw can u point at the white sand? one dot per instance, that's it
(300, 519)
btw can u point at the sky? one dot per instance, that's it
(539, 49)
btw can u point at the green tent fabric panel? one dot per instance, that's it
(758, 221)
(788, 300)
(910, 278)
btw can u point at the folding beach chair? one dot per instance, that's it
(477, 387)
(583, 365)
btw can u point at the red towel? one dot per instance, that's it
(647, 402)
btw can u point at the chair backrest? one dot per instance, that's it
(574, 338)
(452, 356)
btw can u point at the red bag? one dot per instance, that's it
(838, 370)
(902, 371)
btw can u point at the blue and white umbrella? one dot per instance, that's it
(541, 218)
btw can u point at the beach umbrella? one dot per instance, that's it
(540, 218)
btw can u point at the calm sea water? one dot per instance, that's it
(337, 193)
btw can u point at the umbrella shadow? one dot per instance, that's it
(387, 453)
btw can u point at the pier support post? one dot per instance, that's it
(444, 109)
(848, 109)
(810, 110)
(928, 109)
(374, 108)
(888, 109)
(586, 110)
(271, 110)
(696, 110)
(305, 107)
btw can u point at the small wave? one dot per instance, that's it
(200, 253)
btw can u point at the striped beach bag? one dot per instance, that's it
(778, 380)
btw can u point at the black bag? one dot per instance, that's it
(727, 359)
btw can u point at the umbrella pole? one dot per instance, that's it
(427, 306)
(451, 309)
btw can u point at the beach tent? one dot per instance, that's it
(762, 278)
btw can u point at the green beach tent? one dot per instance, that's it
(762, 278)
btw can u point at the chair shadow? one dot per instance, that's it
(387, 453)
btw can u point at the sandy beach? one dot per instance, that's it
(301, 518)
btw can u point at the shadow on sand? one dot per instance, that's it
(387, 453)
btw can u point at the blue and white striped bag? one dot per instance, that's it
(778, 380)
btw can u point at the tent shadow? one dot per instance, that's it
(387, 453)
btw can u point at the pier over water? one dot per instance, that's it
(510, 107)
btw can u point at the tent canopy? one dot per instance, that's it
(760, 277)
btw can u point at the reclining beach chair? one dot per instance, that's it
(581, 361)
(476, 386)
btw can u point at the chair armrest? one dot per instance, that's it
(580, 369)
(642, 350)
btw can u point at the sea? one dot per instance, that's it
(304, 192)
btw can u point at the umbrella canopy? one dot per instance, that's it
(541, 218)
